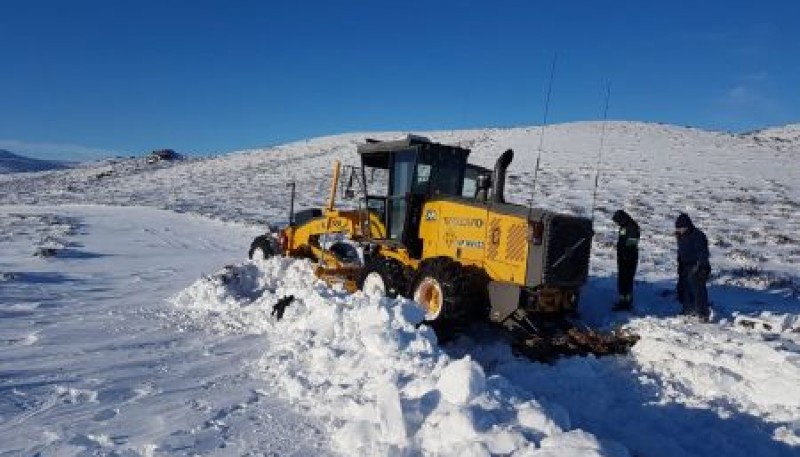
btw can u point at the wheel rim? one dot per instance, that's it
(429, 296)
(374, 285)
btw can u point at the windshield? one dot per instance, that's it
(377, 181)
(439, 171)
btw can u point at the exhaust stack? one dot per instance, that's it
(499, 181)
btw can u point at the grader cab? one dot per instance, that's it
(436, 229)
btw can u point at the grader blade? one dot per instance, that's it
(344, 276)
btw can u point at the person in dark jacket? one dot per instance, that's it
(694, 268)
(627, 258)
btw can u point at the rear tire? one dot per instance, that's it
(384, 277)
(262, 248)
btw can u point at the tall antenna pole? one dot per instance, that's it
(600, 152)
(541, 136)
(291, 186)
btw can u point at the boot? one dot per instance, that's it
(625, 303)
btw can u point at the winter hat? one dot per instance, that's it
(620, 217)
(683, 221)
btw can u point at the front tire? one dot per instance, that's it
(383, 277)
(262, 248)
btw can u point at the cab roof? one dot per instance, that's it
(375, 153)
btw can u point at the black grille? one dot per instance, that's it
(569, 243)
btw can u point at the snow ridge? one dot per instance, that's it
(365, 365)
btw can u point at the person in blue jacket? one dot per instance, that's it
(694, 268)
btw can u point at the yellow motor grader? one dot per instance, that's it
(431, 227)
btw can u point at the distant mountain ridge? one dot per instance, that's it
(14, 163)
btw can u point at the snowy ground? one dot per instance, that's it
(135, 338)
(93, 361)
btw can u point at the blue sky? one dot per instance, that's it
(207, 76)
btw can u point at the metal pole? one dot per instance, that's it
(291, 186)
(600, 152)
(541, 137)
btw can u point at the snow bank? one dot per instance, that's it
(366, 366)
(754, 376)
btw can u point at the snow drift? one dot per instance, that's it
(367, 366)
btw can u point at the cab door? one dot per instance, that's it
(402, 173)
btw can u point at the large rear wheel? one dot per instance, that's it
(449, 293)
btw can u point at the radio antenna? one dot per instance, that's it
(600, 152)
(544, 125)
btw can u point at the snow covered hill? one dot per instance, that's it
(14, 163)
(786, 137)
(788, 133)
(354, 375)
